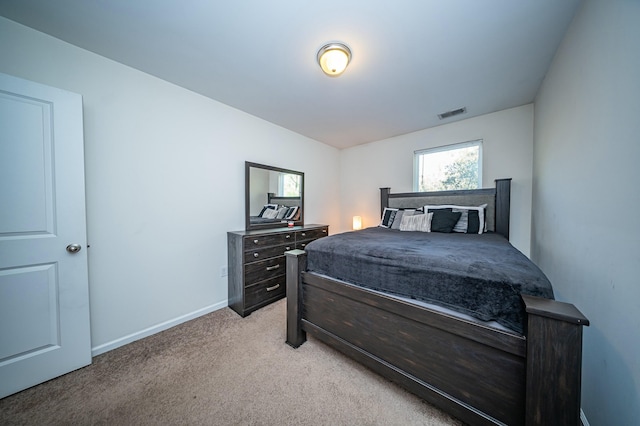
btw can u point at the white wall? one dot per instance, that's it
(586, 196)
(507, 152)
(164, 183)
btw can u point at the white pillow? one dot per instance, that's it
(399, 215)
(270, 214)
(417, 222)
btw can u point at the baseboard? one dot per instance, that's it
(583, 418)
(155, 329)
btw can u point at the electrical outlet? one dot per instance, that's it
(223, 271)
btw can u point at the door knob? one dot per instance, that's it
(74, 248)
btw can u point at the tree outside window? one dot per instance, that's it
(449, 167)
(289, 185)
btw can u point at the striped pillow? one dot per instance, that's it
(418, 222)
(388, 215)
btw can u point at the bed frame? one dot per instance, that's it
(478, 374)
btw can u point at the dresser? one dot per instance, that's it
(257, 265)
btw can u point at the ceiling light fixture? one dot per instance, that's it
(334, 58)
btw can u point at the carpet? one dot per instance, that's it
(221, 369)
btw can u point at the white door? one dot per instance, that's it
(44, 292)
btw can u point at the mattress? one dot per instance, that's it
(480, 275)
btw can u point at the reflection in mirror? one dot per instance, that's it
(274, 196)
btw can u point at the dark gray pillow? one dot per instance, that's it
(444, 220)
(472, 220)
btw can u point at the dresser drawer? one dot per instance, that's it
(305, 237)
(266, 253)
(301, 245)
(264, 269)
(264, 291)
(312, 234)
(257, 266)
(258, 241)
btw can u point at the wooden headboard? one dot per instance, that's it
(272, 198)
(498, 202)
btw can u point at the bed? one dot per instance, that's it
(275, 203)
(522, 370)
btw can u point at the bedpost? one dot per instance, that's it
(503, 205)
(554, 361)
(296, 264)
(384, 199)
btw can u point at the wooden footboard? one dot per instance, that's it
(554, 361)
(479, 374)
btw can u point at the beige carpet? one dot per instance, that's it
(221, 369)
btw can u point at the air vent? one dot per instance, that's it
(452, 113)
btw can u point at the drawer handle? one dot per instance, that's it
(287, 248)
(324, 230)
(304, 234)
(273, 288)
(255, 241)
(273, 268)
(303, 244)
(255, 255)
(288, 236)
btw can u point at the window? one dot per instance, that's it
(289, 185)
(448, 167)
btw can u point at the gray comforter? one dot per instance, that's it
(479, 275)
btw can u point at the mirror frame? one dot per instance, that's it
(247, 191)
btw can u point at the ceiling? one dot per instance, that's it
(412, 59)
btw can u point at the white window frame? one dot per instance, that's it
(281, 183)
(451, 147)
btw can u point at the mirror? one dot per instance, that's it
(273, 196)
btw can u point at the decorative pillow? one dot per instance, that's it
(282, 211)
(444, 220)
(388, 215)
(399, 215)
(291, 212)
(417, 222)
(472, 219)
(267, 207)
(270, 213)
